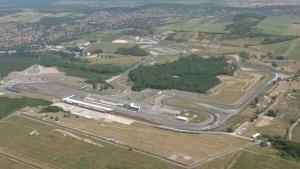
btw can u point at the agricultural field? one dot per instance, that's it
(280, 25)
(30, 16)
(294, 51)
(182, 36)
(41, 144)
(289, 49)
(249, 159)
(196, 24)
(10, 163)
(176, 146)
(276, 48)
(241, 42)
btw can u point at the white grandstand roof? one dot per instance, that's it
(95, 106)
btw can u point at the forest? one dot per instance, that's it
(192, 73)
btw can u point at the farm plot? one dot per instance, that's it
(280, 25)
(42, 144)
(184, 148)
(196, 24)
(245, 160)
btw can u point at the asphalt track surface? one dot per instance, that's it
(217, 113)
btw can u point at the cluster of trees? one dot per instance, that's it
(271, 113)
(52, 21)
(16, 62)
(95, 73)
(192, 73)
(99, 80)
(287, 148)
(244, 24)
(64, 60)
(52, 109)
(134, 51)
(277, 39)
(244, 55)
(10, 105)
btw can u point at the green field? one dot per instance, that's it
(66, 151)
(196, 117)
(196, 24)
(9, 63)
(108, 46)
(277, 48)
(30, 16)
(10, 105)
(294, 51)
(249, 160)
(182, 36)
(101, 36)
(279, 25)
(296, 134)
(10, 164)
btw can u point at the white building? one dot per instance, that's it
(256, 135)
(181, 118)
(134, 107)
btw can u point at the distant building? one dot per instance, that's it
(256, 136)
(134, 107)
(181, 118)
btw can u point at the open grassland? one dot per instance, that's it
(108, 46)
(232, 88)
(181, 103)
(237, 120)
(183, 36)
(280, 25)
(289, 49)
(57, 148)
(6, 163)
(184, 148)
(258, 158)
(119, 60)
(196, 24)
(276, 48)
(10, 105)
(294, 50)
(296, 134)
(287, 112)
(241, 42)
(160, 59)
(101, 36)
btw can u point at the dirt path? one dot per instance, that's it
(290, 135)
